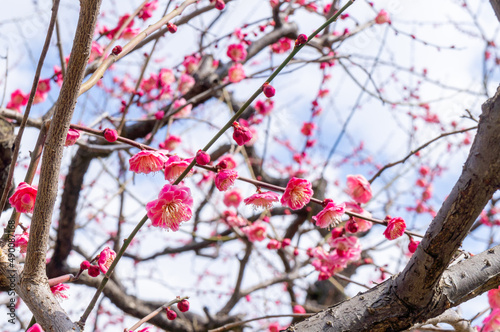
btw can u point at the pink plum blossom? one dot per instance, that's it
(170, 143)
(263, 200)
(264, 107)
(236, 52)
(330, 216)
(166, 77)
(147, 10)
(297, 194)
(110, 135)
(71, 137)
(172, 207)
(185, 111)
(59, 291)
(494, 298)
(308, 128)
(191, 63)
(232, 198)
(268, 90)
(202, 158)
(241, 134)
(147, 161)
(186, 82)
(359, 188)
(413, 245)
(17, 99)
(255, 232)
(298, 309)
(236, 73)
(174, 167)
(382, 17)
(35, 328)
(232, 219)
(225, 179)
(363, 225)
(106, 258)
(492, 322)
(347, 247)
(229, 161)
(23, 199)
(395, 228)
(21, 241)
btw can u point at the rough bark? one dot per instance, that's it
(423, 290)
(6, 146)
(33, 286)
(496, 7)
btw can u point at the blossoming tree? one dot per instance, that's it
(203, 183)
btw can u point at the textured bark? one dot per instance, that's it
(6, 146)
(496, 7)
(33, 286)
(424, 290)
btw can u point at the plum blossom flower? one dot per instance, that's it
(202, 158)
(185, 111)
(59, 291)
(147, 10)
(308, 128)
(71, 137)
(363, 225)
(413, 245)
(268, 90)
(106, 258)
(232, 219)
(382, 17)
(174, 167)
(494, 298)
(359, 188)
(191, 63)
(42, 91)
(255, 232)
(166, 77)
(233, 198)
(281, 46)
(236, 52)
(241, 134)
(347, 247)
(186, 82)
(297, 194)
(236, 73)
(229, 161)
(330, 216)
(35, 328)
(225, 179)
(327, 263)
(23, 199)
(492, 322)
(264, 107)
(170, 143)
(147, 161)
(395, 228)
(273, 244)
(21, 241)
(264, 200)
(172, 207)
(17, 99)
(298, 309)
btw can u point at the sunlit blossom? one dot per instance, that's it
(172, 207)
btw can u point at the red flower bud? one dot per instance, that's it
(202, 158)
(172, 28)
(110, 135)
(219, 4)
(94, 271)
(268, 90)
(301, 40)
(116, 50)
(242, 134)
(84, 265)
(171, 315)
(183, 305)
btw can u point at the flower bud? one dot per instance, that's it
(301, 40)
(116, 50)
(268, 90)
(172, 28)
(202, 158)
(183, 305)
(110, 135)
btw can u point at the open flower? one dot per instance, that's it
(236, 73)
(172, 207)
(59, 291)
(71, 137)
(330, 216)
(23, 199)
(106, 258)
(255, 232)
(175, 166)
(35, 328)
(147, 161)
(363, 225)
(232, 198)
(236, 52)
(225, 179)
(21, 241)
(395, 228)
(264, 200)
(382, 17)
(297, 194)
(359, 188)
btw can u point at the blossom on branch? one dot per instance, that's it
(106, 258)
(147, 161)
(172, 207)
(71, 137)
(263, 200)
(225, 179)
(395, 228)
(359, 188)
(330, 216)
(23, 199)
(297, 194)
